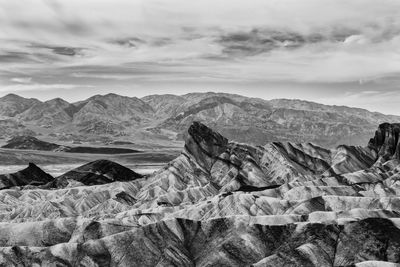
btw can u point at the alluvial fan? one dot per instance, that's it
(219, 203)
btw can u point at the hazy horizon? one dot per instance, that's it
(326, 51)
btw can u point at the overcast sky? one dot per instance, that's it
(343, 52)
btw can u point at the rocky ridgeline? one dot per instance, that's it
(164, 119)
(219, 203)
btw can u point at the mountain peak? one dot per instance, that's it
(36, 174)
(31, 175)
(98, 172)
(206, 136)
(11, 96)
(204, 143)
(15, 97)
(57, 100)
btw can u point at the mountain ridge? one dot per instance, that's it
(165, 118)
(219, 203)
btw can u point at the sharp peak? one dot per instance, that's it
(201, 133)
(33, 165)
(202, 142)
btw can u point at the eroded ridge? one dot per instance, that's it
(219, 203)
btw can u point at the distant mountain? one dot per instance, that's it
(165, 105)
(259, 121)
(111, 114)
(11, 104)
(50, 113)
(113, 107)
(163, 119)
(32, 143)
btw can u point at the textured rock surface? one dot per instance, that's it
(219, 203)
(386, 141)
(32, 175)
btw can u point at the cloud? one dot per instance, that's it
(21, 79)
(116, 43)
(39, 87)
(384, 100)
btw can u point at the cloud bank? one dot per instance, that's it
(155, 43)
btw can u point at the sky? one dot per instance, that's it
(339, 52)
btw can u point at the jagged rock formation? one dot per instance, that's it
(220, 203)
(164, 119)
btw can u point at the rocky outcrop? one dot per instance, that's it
(386, 141)
(32, 175)
(204, 144)
(219, 203)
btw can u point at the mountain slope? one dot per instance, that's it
(115, 107)
(259, 121)
(219, 203)
(11, 104)
(97, 172)
(53, 112)
(163, 119)
(32, 175)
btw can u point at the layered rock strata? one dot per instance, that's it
(219, 203)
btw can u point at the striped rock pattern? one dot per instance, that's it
(219, 203)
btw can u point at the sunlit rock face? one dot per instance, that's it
(219, 203)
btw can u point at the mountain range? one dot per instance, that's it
(163, 119)
(219, 203)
